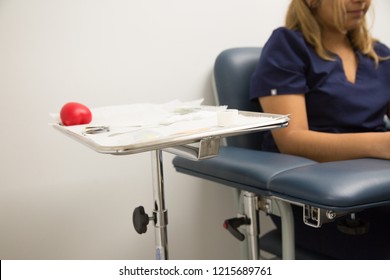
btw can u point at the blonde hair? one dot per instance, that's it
(301, 17)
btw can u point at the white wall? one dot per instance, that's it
(60, 200)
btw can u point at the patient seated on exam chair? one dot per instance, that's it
(333, 79)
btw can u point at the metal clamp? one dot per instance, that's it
(207, 148)
(315, 216)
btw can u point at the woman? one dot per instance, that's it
(326, 70)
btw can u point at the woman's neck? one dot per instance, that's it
(335, 41)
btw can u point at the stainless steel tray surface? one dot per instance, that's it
(122, 130)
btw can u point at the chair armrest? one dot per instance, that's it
(350, 185)
(241, 168)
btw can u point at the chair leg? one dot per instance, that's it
(288, 235)
(252, 230)
(240, 209)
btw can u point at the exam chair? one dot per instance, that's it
(273, 182)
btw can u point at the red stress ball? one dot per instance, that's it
(74, 113)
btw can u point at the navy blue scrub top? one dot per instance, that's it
(289, 65)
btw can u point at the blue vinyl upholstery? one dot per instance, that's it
(350, 185)
(232, 71)
(241, 168)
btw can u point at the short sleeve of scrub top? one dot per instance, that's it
(289, 65)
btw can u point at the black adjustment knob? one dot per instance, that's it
(232, 226)
(140, 220)
(353, 226)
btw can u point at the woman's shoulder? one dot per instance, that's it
(283, 38)
(283, 34)
(381, 49)
(286, 32)
(287, 44)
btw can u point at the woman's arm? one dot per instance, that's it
(297, 139)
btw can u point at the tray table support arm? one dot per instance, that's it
(159, 212)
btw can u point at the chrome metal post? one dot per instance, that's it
(288, 235)
(252, 230)
(159, 212)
